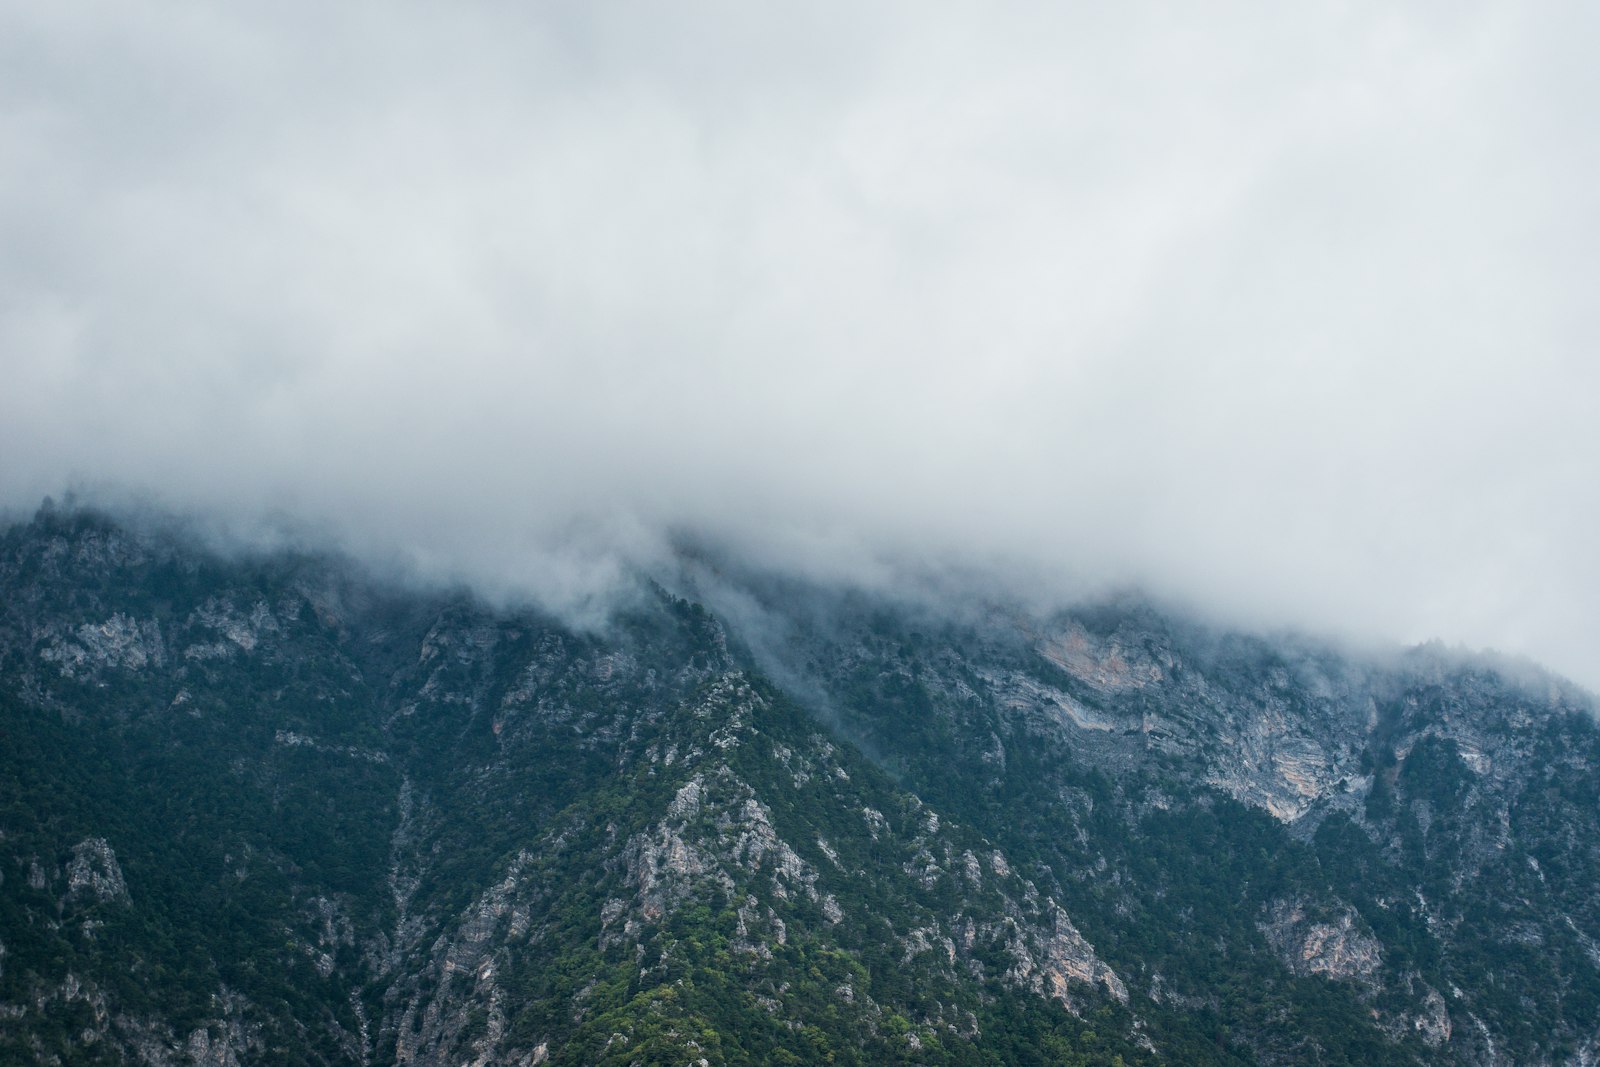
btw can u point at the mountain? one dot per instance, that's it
(273, 809)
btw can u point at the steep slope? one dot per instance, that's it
(264, 811)
(274, 810)
(1276, 837)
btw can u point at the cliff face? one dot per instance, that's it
(270, 810)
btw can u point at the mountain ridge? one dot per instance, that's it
(319, 819)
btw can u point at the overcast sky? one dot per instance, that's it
(1286, 310)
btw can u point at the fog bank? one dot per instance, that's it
(1285, 313)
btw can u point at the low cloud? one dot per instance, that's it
(1288, 314)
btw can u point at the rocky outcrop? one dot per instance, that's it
(93, 873)
(116, 643)
(666, 868)
(1107, 664)
(228, 1041)
(1432, 1023)
(242, 628)
(1335, 946)
(441, 1026)
(735, 844)
(1050, 957)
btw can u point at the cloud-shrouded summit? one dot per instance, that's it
(1288, 311)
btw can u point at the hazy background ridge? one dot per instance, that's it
(1284, 312)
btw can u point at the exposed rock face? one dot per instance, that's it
(1102, 663)
(1433, 1022)
(1336, 947)
(1258, 748)
(664, 867)
(93, 872)
(228, 1041)
(464, 965)
(118, 642)
(243, 628)
(205, 1051)
(1050, 960)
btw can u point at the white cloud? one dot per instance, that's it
(1287, 311)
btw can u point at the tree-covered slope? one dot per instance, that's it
(1332, 858)
(270, 809)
